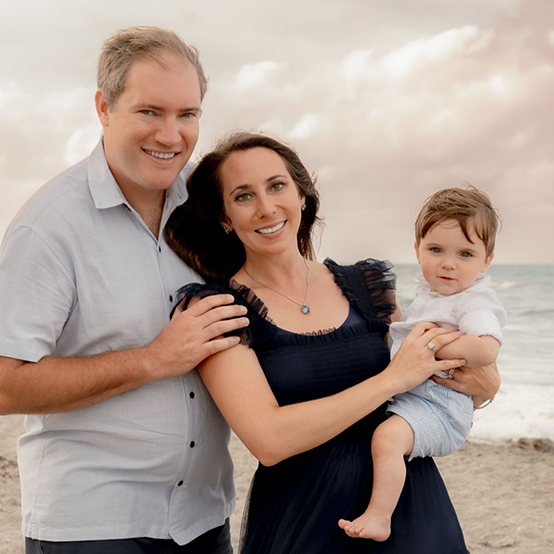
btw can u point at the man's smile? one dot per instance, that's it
(161, 155)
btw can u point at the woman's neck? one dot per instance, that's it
(276, 271)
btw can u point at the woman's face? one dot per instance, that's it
(261, 201)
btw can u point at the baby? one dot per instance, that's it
(455, 236)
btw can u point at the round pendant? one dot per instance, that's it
(305, 309)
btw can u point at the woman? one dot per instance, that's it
(306, 387)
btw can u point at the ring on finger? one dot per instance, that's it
(451, 373)
(431, 346)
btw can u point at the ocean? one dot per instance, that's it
(524, 406)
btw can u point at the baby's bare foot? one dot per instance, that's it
(367, 526)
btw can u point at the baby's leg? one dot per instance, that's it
(392, 440)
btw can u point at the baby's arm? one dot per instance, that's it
(478, 351)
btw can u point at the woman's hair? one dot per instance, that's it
(194, 230)
(127, 46)
(461, 205)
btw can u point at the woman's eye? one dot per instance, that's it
(243, 197)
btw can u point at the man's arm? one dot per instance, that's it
(54, 385)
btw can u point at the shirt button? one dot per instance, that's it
(159, 248)
(180, 484)
(170, 298)
(192, 394)
(192, 444)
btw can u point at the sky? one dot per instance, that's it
(386, 101)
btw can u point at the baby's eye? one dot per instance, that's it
(465, 255)
(435, 250)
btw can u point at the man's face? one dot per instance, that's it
(153, 128)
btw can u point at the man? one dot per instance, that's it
(124, 451)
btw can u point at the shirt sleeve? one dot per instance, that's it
(37, 294)
(481, 313)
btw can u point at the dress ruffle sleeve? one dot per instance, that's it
(369, 285)
(257, 310)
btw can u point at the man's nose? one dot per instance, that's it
(168, 132)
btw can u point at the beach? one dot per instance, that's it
(503, 494)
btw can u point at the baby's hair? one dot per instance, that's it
(461, 205)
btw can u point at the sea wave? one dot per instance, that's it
(518, 411)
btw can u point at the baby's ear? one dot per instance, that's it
(488, 261)
(416, 246)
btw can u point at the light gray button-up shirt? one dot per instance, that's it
(81, 274)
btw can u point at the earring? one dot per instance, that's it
(303, 207)
(227, 230)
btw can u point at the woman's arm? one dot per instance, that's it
(273, 433)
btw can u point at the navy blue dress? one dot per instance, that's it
(294, 506)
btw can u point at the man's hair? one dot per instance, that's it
(194, 230)
(462, 205)
(126, 46)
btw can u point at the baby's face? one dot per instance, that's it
(450, 263)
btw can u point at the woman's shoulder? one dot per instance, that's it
(257, 312)
(368, 284)
(201, 290)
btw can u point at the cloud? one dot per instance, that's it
(387, 102)
(356, 66)
(254, 75)
(305, 127)
(424, 52)
(81, 142)
(10, 93)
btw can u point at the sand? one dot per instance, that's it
(504, 495)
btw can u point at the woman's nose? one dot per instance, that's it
(265, 206)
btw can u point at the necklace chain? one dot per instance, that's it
(303, 305)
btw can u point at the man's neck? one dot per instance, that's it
(149, 205)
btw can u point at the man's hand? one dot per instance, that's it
(195, 334)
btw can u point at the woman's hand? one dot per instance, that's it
(482, 383)
(415, 360)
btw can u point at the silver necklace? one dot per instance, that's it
(303, 305)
